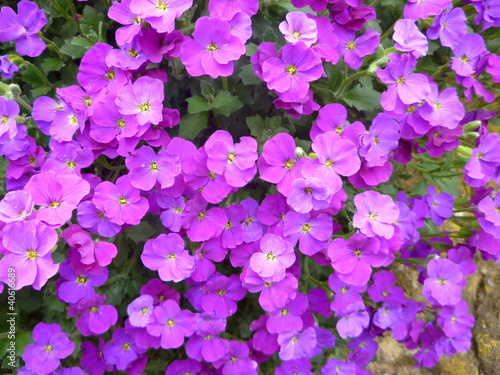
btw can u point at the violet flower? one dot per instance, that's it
(443, 282)
(298, 27)
(274, 257)
(376, 214)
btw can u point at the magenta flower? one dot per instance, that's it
(58, 195)
(290, 75)
(7, 68)
(376, 214)
(29, 245)
(288, 318)
(16, 206)
(355, 49)
(295, 345)
(75, 285)
(352, 321)
(379, 141)
(274, 257)
(121, 13)
(9, 110)
(226, 9)
(161, 14)
(144, 99)
(308, 194)
(221, 295)
(467, 54)
(23, 27)
(278, 163)
(443, 109)
(450, 27)
(443, 282)
(94, 220)
(407, 37)
(298, 27)
(311, 233)
(50, 346)
(92, 359)
(213, 49)
(147, 168)
(139, 310)
(120, 202)
(166, 254)
(122, 350)
(202, 224)
(336, 157)
(96, 317)
(172, 324)
(235, 161)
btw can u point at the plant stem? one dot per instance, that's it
(38, 73)
(224, 84)
(52, 45)
(23, 104)
(346, 82)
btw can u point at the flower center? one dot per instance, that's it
(126, 346)
(231, 157)
(208, 337)
(32, 254)
(177, 210)
(172, 256)
(48, 348)
(4, 119)
(464, 59)
(122, 201)
(306, 228)
(289, 164)
(229, 225)
(82, 280)
(110, 75)
(212, 47)
(87, 101)
(441, 281)
(296, 34)
(248, 221)
(270, 256)
(411, 109)
(153, 167)
(385, 293)
(308, 190)
(71, 164)
(437, 105)
(351, 45)
(144, 107)
(294, 340)
(54, 204)
(145, 310)
(371, 215)
(329, 163)
(120, 123)
(343, 290)
(284, 312)
(221, 292)
(357, 253)
(291, 69)
(161, 5)
(201, 216)
(170, 322)
(133, 53)
(93, 309)
(32, 161)
(73, 120)
(212, 175)
(268, 284)
(400, 80)
(339, 130)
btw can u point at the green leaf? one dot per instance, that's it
(207, 89)
(191, 125)
(77, 47)
(52, 65)
(31, 75)
(248, 76)
(256, 125)
(362, 98)
(225, 104)
(197, 104)
(39, 91)
(140, 233)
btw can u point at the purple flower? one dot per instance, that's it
(443, 109)
(221, 295)
(483, 161)
(467, 54)
(274, 257)
(416, 9)
(160, 14)
(288, 318)
(213, 49)
(120, 202)
(440, 205)
(278, 163)
(167, 255)
(455, 320)
(144, 98)
(345, 294)
(7, 68)
(68, 158)
(295, 345)
(408, 38)
(383, 289)
(379, 141)
(235, 161)
(253, 229)
(490, 222)
(376, 214)
(75, 285)
(50, 346)
(352, 321)
(299, 27)
(93, 360)
(172, 324)
(290, 75)
(183, 366)
(308, 194)
(354, 258)
(449, 26)
(209, 347)
(147, 168)
(226, 9)
(139, 310)
(311, 233)
(122, 350)
(94, 220)
(354, 49)
(442, 284)
(96, 318)
(336, 157)
(403, 87)
(202, 224)
(23, 27)
(9, 110)
(16, 206)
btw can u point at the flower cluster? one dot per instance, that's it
(226, 272)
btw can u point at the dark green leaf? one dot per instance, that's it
(248, 76)
(256, 125)
(207, 89)
(197, 104)
(225, 104)
(362, 98)
(52, 65)
(192, 124)
(32, 76)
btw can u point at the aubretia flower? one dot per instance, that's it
(213, 49)
(221, 295)
(120, 202)
(295, 345)
(29, 245)
(352, 320)
(202, 224)
(290, 75)
(122, 350)
(93, 360)
(23, 27)
(443, 282)
(467, 54)
(440, 205)
(354, 49)
(299, 27)
(96, 317)
(166, 254)
(9, 110)
(278, 163)
(311, 233)
(376, 214)
(77, 285)
(16, 206)
(443, 109)
(172, 324)
(308, 194)
(379, 141)
(408, 38)
(274, 257)
(161, 14)
(226, 9)
(7, 68)
(50, 346)
(449, 26)
(144, 99)
(139, 310)
(421, 9)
